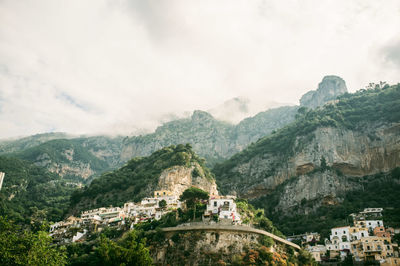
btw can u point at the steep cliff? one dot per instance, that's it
(329, 89)
(179, 178)
(210, 138)
(359, 135)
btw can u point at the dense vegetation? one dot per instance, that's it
(138, 178)
(32, 193)
(378, 104)
(127, 250)
(380, 190)
(23, 247)
(54, 151)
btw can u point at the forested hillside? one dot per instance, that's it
(31, 193)
(138, 178)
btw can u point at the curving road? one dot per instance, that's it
(229, 228)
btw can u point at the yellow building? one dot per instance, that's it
(372, 248)
(162, 193)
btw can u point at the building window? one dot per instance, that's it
(215, 204)
(164, 193)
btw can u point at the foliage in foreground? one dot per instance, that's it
(128, 250)
(22, 247)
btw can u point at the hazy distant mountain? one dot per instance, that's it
(210, 137)
(239, 108)
(18, 144)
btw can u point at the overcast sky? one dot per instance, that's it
(98, 66)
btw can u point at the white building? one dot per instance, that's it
(377, 211)
(368, 224)
(224, 207)
(339, 240)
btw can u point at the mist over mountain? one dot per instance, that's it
(239, 108)
(211, 138)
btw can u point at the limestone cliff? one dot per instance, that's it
(329, 89)
(358, 135)
(179, 178)
(354, 153)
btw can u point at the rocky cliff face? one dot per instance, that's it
(205, 248)
(321, 188)
(328, 90)
(210, 138)
(374, 149)
(179, 178)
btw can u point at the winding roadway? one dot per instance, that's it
(229, 228)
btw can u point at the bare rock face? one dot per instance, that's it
(179, 178)
(205, 248)
(328, 90)
(321, 187)
(374, 149)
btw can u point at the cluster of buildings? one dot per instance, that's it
(221, 208)
(368, 240)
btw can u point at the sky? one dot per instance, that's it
(123, 67)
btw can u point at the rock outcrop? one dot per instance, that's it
(179, 178)
(353, 153)
(321, 187)
(329, 89)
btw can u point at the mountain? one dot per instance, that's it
(210, 138)
(173, 168)
(85, 158)
(30, 192)
(15, 145)
(355, 136)
(76, 159)
(329, 89)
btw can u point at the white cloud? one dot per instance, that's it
(116, 66)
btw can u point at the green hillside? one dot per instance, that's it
(137, 178)
(30, 192)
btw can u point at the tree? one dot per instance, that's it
(323, 163)
(192, 196)
(128, 251)
(21, 247)
(162, 204)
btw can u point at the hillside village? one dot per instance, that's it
(367, 240)
(218, 209)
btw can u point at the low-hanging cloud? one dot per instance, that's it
(102, 66)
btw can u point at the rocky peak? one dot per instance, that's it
(201, 116)
(328, 89)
